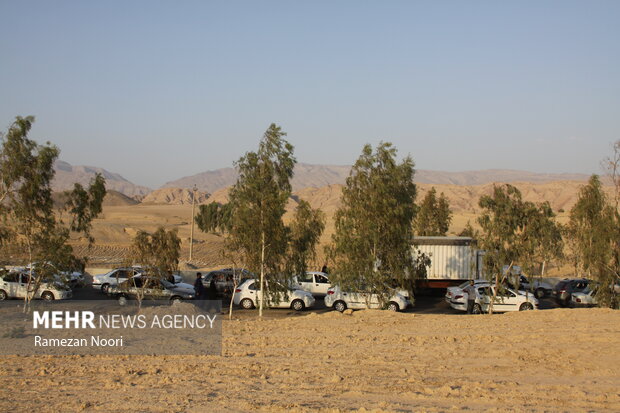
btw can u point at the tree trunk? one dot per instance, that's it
(28, 297)
(262, 276)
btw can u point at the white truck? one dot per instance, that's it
(453, 260)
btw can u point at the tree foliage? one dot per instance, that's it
(469, 231)
(28, 218)
(434, 215)
(214, 217)
(257, 201)
(372, 245)
(593, 230)
(516, 231)
(158, 252)
(304, 234)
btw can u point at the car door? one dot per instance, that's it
(506, 301)
(154, 290)
(306, 282)
(11, 284)
(485, 294)
(22, 285)
(372, 301)
(354, 299)
(321, 284)
(120, 276)
(280, 298)
(253, 293)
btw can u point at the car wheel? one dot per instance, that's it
(122, 300)
(175, 299)
(340, 306)
(104, 288)
(47, 296)
(392, 306)
(247, 304)
(477, 309)
(539, 293)
(526, 307)
(3, 295)
(297, 305)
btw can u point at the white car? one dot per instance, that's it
(585, 298)
(507, 300)
(72, 279)
(341, 300)
(248, 295)
(316, 283)
(118, 275)
(453, 292)
(14, 284)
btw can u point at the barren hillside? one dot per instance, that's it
(67, 175)
(118, 224)
(174, 196)
(307, 175)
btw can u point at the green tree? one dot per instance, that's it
(434, 215)
(158, 253)
(258, 200)
(516, 232)
(593, 230)
(372, 245)
(214, 217)
(304, 234)
(28, 218)
(469, 231)
(612, 165)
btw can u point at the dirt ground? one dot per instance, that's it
(548, 360)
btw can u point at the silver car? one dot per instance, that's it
(14, 284)
(341, 300)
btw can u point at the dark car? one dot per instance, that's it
(149, 289)
(225, 280)
(565, 288)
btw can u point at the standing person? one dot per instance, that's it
(324, 269)
(212, 292)
(472, 293)
(199, 288)
(170, 277)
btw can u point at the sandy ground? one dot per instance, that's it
(549, 360)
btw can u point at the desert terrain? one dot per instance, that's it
(546, 360)
(549, 360)
(122, 216)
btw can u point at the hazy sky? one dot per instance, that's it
(157, 90)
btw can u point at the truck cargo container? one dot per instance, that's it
(453, 260)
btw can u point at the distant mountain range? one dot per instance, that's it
(67, 175)
(306, 176)
(317, 176)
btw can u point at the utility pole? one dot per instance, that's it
(191, 232)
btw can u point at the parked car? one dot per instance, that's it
(14, 284)
(248, 295)
(225, 279)
(452, 292)
(540, 288)
(151, 288)
(565, 288)
(315, 282)
(341, 300)
(585, 298)
(507, 299)
(118, 275)
(71, 278)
